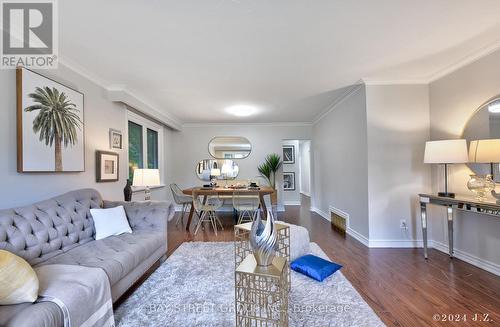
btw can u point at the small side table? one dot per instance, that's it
(242, 244)
(261, 293)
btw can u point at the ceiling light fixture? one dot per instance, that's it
(494, 107)
(242, 110)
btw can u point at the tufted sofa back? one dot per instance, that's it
(45, 229)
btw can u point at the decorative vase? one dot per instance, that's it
(127, 191)
(481, 185)
(264, 239)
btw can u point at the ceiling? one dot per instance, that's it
(289, 58)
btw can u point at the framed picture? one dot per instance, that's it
(289, 181)
(288, 154)
(40, 146)
(115, 139)
(107, 166)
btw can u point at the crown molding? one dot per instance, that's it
(347, 94)
(83, 72)
(132, 100)
(440, 73)
(222, 124)
(467, 60)
(372, 81)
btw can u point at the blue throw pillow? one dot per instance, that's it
(314, 267)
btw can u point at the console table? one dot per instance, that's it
(466, 203)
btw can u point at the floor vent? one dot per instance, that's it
(339, 220)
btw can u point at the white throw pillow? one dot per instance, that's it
(112, 221)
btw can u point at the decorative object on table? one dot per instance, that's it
(481, 186)
(107, 166)
(146, 178)
(214, 174)
(289, 181)
(18, 281)
(446, 152)
(229, 147)
(242, 247)
(264, 239)
(42, 104)
(288, 154)
(268, 171)
(127, 191)
(314, 267)
(115, 139)
(484, 151)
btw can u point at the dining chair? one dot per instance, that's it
(181, 199)
(246, 204)
(206, 209)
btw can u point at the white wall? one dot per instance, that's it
(100, 115)
(398, 127)
(340, 168)
(191, 145)
(305, 167)
(453, 100)
(293, 197)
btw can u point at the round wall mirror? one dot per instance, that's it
(484, 124)
(221, 169)
(229, 147)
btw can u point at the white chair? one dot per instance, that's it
(181, 199)
(207, 211)
(246, 204)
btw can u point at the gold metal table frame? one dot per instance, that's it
(261, 293)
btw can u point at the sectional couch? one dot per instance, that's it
(61, 231)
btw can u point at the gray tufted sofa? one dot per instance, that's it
(61, 231)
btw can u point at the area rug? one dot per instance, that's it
(195, 287)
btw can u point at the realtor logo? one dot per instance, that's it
(29, 37)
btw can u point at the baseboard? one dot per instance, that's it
(358, 236)
(321, 213)
(292, 203)
(351, 232)
(395, 243)
(467, 257)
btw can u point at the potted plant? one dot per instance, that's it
(268, 171)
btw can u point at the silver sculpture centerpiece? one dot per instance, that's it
(264, 239)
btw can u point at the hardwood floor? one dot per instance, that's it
(399, 284)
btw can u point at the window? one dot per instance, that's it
(144, 143)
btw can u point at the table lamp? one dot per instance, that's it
(485, 151)
(214, 173)
(146, 178)
(446, 152)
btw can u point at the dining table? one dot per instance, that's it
(227, 191)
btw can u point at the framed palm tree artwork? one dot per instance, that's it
(50, 125)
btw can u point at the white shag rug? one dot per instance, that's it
(195, 287)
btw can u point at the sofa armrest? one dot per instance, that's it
(150, 215)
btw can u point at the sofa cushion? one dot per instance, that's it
(46, 229)
(117, 255)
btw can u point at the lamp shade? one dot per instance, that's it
(484, 151)
(146, 177)
(226, 168)
(446, 151)
(215, 172)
